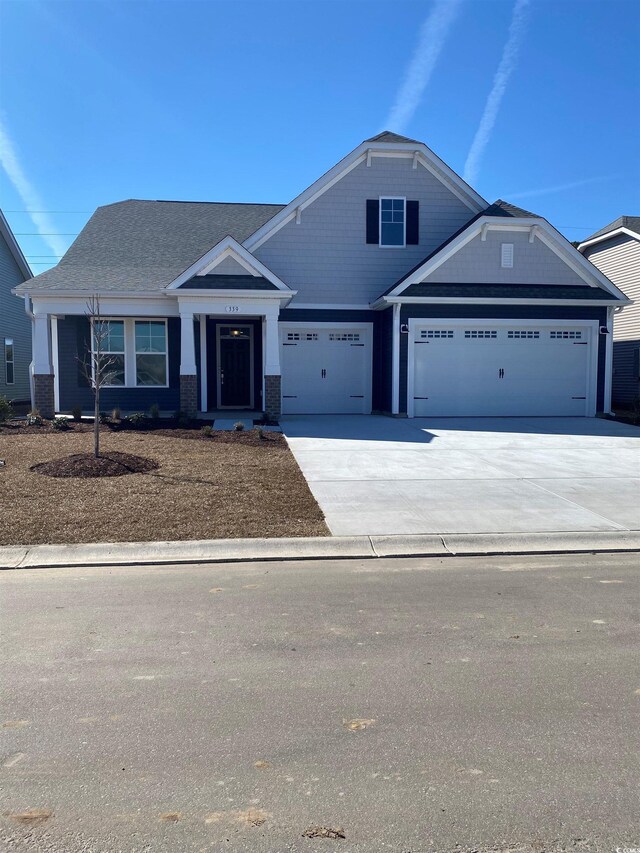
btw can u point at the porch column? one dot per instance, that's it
(188, 377)
(43, 394)
(272, 378)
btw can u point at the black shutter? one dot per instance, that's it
(373, 220)
(636, 364)
(413, 223)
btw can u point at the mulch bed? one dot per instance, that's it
(227, 485)
(83, 465)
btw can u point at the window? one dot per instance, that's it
(108, 337)
(436, 333)
(480, 333)
(507, 255)
(523, 334)
(565, 335)
(392, 222)
(151, 352)
(9, 361)
(344, 336)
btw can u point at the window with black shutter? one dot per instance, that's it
(393, 222)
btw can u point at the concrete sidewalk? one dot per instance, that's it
(314, 548)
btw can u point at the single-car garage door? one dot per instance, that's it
(476, 368)
(325, 369)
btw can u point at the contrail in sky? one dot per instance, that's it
(560, 187)
(433, 35)
(28, 194)
(507, 64)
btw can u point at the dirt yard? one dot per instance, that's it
(230, 485)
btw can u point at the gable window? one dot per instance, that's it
(506, 256)
(108, 338)
(9, 361)
(151, 352)
(392, 222)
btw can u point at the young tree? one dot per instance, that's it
(99, 365)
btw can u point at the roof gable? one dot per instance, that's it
(12, 244)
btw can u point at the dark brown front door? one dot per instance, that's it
(235, 368)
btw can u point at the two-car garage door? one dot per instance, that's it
(326, 369)
(480, 368)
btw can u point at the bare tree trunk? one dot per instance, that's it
(96, 422)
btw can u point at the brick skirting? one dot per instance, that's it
(189, 395)
(272, 397)
(43, 399)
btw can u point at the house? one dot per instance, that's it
(15, 326)
(389, 285)
(615, 250)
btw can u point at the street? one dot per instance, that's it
(409, 705)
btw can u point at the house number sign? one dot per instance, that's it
(232, 309)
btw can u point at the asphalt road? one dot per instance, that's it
(212, 707)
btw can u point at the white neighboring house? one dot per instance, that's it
(389, 285)
(15, 326)
(615, 250)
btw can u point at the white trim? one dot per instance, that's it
(251, 402)
(608, 236)
(230, 253)
(478, 300)
(545, 233)
(329, 306)
(55, 364)
(229, 247)
(213, 295)
(363, 153)
(395, 360)
(204, 402)
(608, 363)
(592, 360)
(392, 198)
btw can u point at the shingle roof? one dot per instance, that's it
(143, 245)
(228, 282)
(390, 136)
(503, 208)
(508, 291)
(630, 222)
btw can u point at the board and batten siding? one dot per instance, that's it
(619, 259)
(479, 261)
(14, 324)
(326, 257)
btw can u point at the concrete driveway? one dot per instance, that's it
(379, 475)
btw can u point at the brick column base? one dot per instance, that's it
(43, 399)
(272, 397)
(189, 395)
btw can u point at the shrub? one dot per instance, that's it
(261, 433)
(154, 412)
(34, 418)
(60, 424)
(115, 413)
(238, 426)
(77, 413)
(103, 418)
(136, 419)
(6, 409)
(207, 430)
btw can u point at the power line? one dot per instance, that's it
(46, 234)
(46, 211)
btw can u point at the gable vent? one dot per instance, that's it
(507, 255)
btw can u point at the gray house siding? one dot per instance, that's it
(73, 338)
(526, 312)
(480, 261)
(14, 324)
(619, 259)
(326, 257)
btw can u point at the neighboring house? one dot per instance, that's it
(389, 285)
(15, 325)
(615, 250)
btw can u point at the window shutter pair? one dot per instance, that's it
(412, 224)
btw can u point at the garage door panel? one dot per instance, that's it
(477, 370)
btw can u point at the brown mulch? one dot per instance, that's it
(84, 465)
(229, 485)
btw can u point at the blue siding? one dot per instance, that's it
(500, 312)
(626, 368)
(73, 336)
(15, 324)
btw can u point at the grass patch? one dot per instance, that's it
(228, 485)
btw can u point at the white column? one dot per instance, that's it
(41, 343)
(203, 363)
(608, 362)
(271, 345)
(395, 361)
(187, 345)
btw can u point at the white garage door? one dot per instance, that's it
(480, 369)
(326, 369)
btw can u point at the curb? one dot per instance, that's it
(315, 548)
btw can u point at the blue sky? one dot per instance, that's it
(537, 100)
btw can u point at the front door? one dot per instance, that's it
(235, 359)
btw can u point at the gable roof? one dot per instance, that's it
(630, 222)
(8, 236)
(390, 136)
(144, 245)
